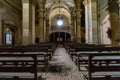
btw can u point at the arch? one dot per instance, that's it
(10, 22)
(60, 7)
(59, 11)
(9, 32)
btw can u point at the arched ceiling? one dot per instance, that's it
(50, 3)
(60, 11)
(61, 7)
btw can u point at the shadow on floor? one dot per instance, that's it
(59, 69)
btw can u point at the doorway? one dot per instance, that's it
(60, 37)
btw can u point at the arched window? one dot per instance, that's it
(8, 36)
(59, 21)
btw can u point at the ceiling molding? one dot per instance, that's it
(13, 6)
(10, 7)
(60, 7)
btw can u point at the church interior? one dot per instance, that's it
(59, 39)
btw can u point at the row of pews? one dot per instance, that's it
(26, 58)
(96, 62)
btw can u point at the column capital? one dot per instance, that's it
(40, 11)
(25, 1)
(40, 15)
(78, 12)
(85, 2)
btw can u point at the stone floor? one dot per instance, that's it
(62, 67)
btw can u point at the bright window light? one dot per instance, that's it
(59, 22)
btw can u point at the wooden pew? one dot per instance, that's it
(30, 48)
(100, 64)
(97, 48)
(14, 63)
(42, 58)
(71, 46)
(45, 47)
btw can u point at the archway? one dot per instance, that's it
(60, 37)
(9, 32)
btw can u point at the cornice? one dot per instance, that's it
(12, 6)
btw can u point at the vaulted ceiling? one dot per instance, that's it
(59, 7)
(55, 3)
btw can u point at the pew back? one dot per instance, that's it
(19, 63)
(106, 63)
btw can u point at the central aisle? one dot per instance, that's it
(62, 67)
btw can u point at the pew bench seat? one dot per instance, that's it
(99, 65)
(21, 63)
(103, 75)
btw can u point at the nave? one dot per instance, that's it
(62, 67)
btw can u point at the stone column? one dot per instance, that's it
(0, 24)
(0, 32)
(47, 30)
(90, 21)
(94, 20)
(28, 27)
(99, 39)
(114, 28)
(72, 28)
(44, 27)
(32, 23)
(41, 23)
(78, 21)
(119, 22)
(86, 22)
(25, 26)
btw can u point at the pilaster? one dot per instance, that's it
(91, 21)
(119, 22)
(0, 32)
(47, 30)
(41, 23)
(78, 21)
(73, 37)
(0, 24)
(32, 23)
(28, 26)
(25, 26)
